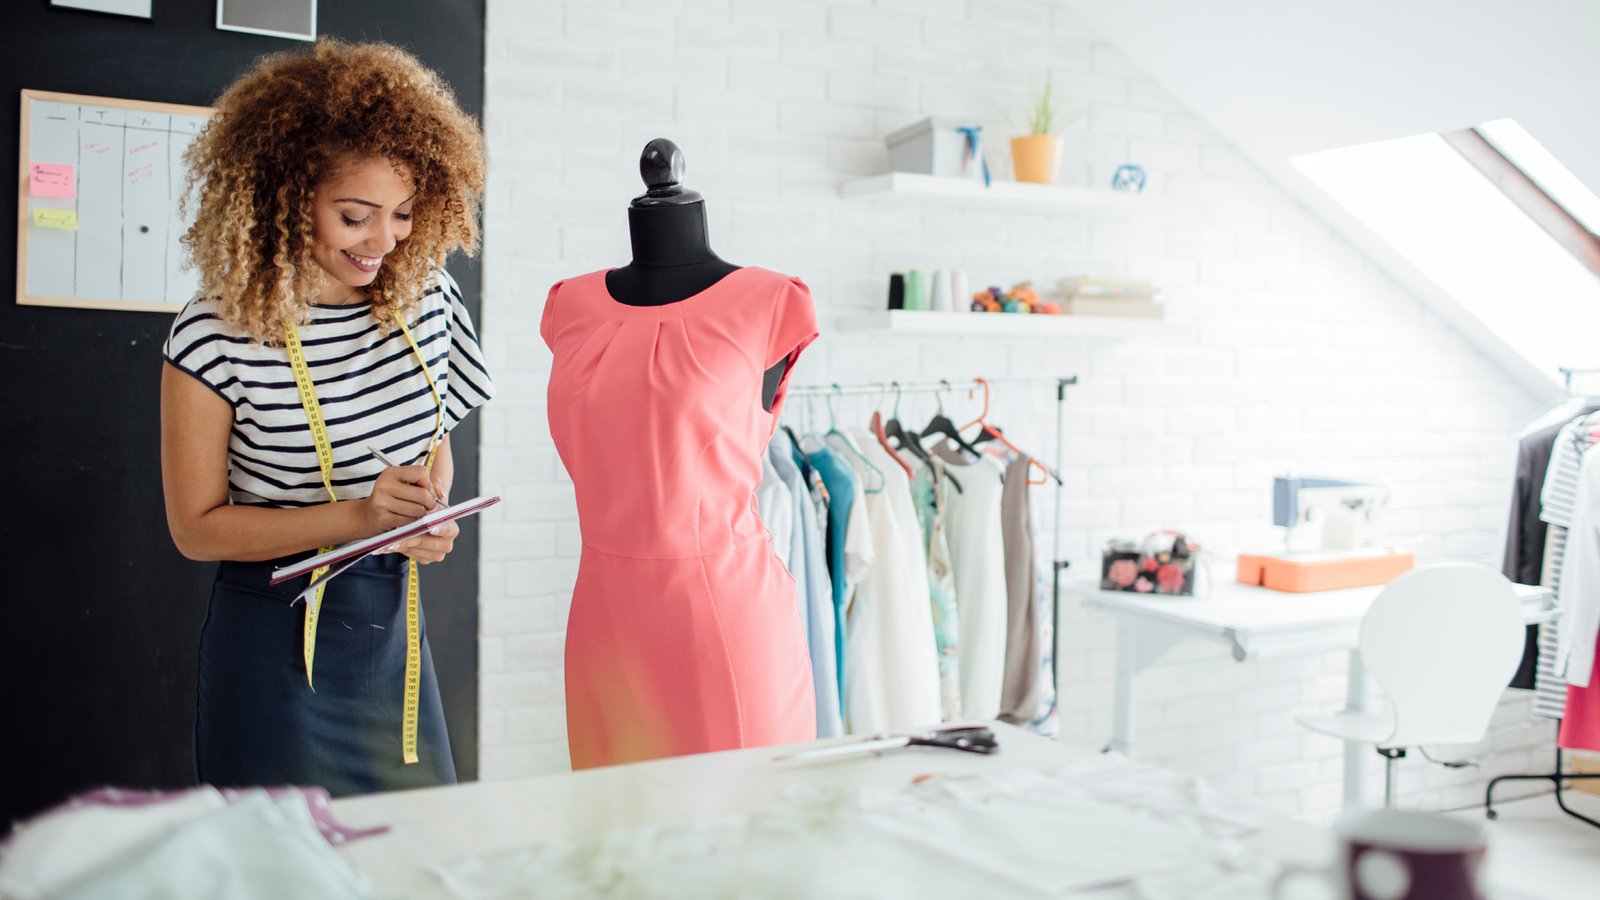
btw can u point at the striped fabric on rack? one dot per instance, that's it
(1557, 504)
(1550, 689)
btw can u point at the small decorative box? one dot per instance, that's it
(1162, 564)
(938, 146)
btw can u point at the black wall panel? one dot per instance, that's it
(99, 614)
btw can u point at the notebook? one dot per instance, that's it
(344, 556)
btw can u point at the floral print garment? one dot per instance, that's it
(927, 497)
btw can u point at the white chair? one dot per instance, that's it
(1441, 642)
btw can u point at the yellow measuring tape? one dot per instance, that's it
(319, 436)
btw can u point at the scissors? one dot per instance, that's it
(966, 738)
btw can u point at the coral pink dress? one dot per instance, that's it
(684, 636)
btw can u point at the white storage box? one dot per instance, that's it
(934, 146)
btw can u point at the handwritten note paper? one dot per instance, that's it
(56, 218)
(53, 180)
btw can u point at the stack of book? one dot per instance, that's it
(1109, 297)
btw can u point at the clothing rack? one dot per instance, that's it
(1556, 777)
(942, 385)
(1567, 373)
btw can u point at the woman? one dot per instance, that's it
(330, 184)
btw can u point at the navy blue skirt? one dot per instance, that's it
(258, 723)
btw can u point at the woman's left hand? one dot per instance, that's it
(430, 547)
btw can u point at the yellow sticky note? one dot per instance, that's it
(56, 218)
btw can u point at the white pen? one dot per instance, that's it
(386, 460)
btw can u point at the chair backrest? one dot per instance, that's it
(1442, 642)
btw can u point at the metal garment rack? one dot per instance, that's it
(946, 385)
(1556, 777)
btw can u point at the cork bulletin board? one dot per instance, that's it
(97, 202)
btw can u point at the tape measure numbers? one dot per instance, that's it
(319, 435)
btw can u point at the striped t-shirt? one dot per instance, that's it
(369, 385)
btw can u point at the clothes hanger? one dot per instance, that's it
(941, 424)
(897, 432)
(807, 432)
(1574, 404)
(893, 429)
(875, 425)
(990, 432)
(838, 440)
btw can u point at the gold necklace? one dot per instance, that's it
(346, 299)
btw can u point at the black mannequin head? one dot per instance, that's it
(667, 223)
(661, 167)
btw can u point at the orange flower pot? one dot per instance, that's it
(1036, 158)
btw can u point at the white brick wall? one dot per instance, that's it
(1301, 353)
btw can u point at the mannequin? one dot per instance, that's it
(672, 255)
(683, 635)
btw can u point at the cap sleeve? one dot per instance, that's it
(199, 345)
(794, 323)
(547, 319)
(469, 384)
(794, 327)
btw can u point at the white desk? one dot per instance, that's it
(1254, 623)
(444, 824)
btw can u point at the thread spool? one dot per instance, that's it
(939, 292)
(960, 290)
(916, 290)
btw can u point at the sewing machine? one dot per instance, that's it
(1328, 514)
(1333, 537)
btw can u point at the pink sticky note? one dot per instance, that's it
(53, 180)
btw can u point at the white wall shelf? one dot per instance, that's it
(931, 191)
(921, 323)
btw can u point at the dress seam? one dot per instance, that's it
(734, 548)
(727, 656)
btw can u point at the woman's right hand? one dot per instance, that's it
(401, 495)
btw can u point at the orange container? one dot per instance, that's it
(1331, 572)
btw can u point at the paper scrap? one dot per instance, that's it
(56, 218)
(53, 180)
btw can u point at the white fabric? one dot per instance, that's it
(858, 547)
(776, 506)
(49, 852)
(977, 555)
(255, 848)
(463, 830)
(891, 666)
(1579, 625)
(1005, 833)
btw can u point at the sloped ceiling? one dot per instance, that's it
(1278, 78)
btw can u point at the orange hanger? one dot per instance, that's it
(993, 432)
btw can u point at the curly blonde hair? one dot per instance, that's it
(285, 126)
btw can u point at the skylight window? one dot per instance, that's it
(1466, 235)
(1546, 171)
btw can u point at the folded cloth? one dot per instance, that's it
(114, 839)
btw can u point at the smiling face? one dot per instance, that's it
(361, 212)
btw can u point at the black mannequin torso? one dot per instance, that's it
(672, 256)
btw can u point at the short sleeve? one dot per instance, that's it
(469, 384)
(547, 319)
(794, 323)
(859, 551)
(198, 344)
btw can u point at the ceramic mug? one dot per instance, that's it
(1391, 854)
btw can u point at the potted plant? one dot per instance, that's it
(1036, 156)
